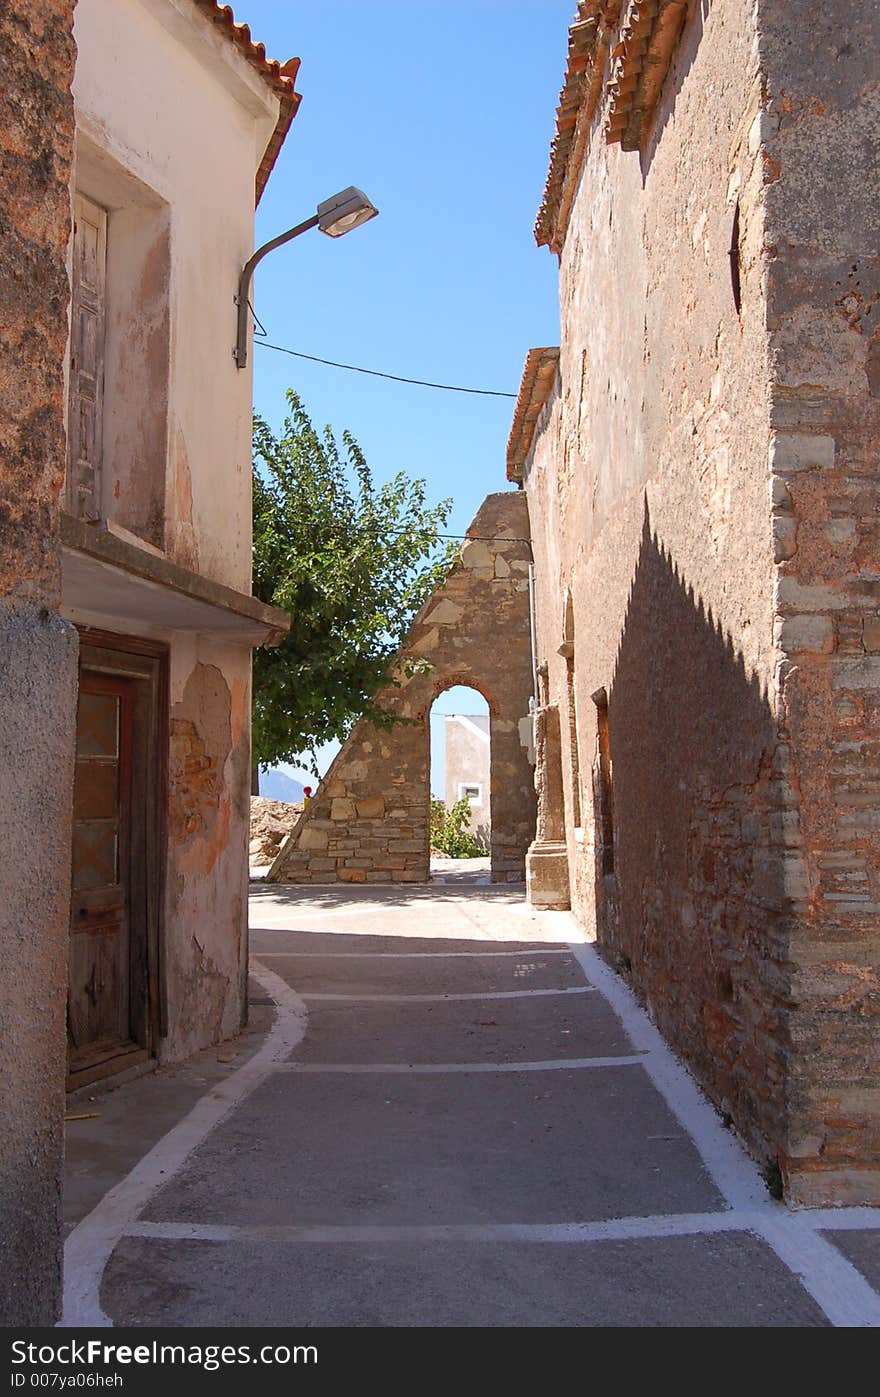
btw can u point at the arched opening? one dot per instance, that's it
(459, 784)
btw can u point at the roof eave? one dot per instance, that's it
(538, 377)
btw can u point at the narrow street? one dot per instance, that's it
(447, 1111)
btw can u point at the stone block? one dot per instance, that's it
(791, 452)
(351, 875)
(476, 554)
(311, 838)
(342, 809)
(871, 634)
(547, 885)
(784, 530)
(445, 613)
(863, 673)
(790, 595)
(371, 808)
(810, 632)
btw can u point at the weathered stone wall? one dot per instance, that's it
(368, 820)
(37, 650)
(820, 134)
(725, 605)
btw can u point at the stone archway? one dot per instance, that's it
(369, 819)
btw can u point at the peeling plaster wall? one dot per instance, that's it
(368, 821)
(205, 940)
(186, 122)
(37, 650)
(703, 485)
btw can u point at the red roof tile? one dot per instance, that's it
(539, 375)
(279, 76)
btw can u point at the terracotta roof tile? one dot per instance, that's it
(280, 77)
(538, 377)
(636, 47)
(587, 46)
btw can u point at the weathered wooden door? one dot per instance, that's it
(87, 318)
(100, 1003)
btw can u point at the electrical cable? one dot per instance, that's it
(375, 373)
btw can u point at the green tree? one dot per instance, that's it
(352, 562)
(451, 832)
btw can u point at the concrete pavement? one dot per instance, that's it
(447, 1111)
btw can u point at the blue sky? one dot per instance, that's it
(443, 114)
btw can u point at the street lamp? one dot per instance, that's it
(335, 217)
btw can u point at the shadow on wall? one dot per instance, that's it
(695, 909)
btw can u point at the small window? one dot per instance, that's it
(472, 793)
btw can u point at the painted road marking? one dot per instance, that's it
(838, 1288)
(444, 998)
(607, 1230)
(91, 1243)
(550, 1065)
(527, 954)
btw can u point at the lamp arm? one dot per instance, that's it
(247, 275)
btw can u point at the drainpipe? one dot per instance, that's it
(532, 633)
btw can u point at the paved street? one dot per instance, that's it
(447, 1111)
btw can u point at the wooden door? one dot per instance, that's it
(87, 315)
(100, 1008)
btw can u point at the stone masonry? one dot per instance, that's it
(38, 651)
(369, 819)
(700, 458)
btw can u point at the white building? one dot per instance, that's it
(179, 118)
(467, 768)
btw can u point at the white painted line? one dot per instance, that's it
(834, 1283)
(607, 1230)
(529, 954)
(443, 998)
(561, 1064)
(725, 1160)
(90, 1244)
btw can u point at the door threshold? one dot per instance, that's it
(125, 1064)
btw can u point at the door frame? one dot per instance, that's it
(146, 664)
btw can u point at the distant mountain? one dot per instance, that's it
(277, 785)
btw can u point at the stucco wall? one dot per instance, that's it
(369, 819)
(468, 758)
(208, 830)
(37, 650)
(188, 119)
(703, 483)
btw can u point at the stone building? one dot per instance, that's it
(369, 820)
(468, 768)
(138, 135)
(700, 459)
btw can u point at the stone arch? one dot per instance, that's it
(368, 822)
(455, 681)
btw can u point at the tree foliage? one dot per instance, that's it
(352, 562)
(450, 830)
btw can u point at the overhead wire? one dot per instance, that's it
(376, 373)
